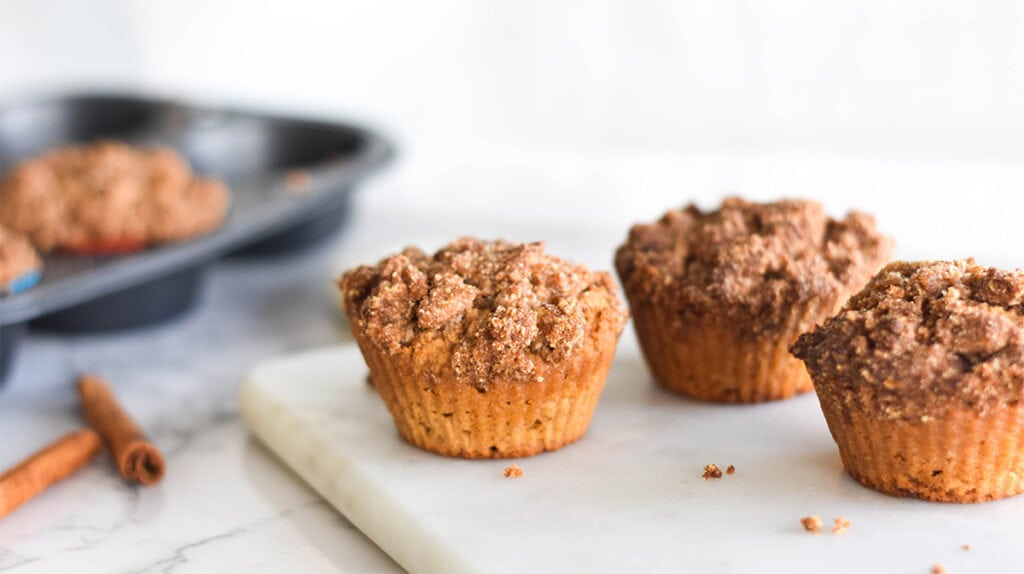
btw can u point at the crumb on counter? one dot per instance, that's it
(730, 469)
(513, 471)
(811, 524)
(966, 548)
(841, 525)
(939, 569)
(711, 471)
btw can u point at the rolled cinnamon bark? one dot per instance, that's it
(136, 457)
(52, 464)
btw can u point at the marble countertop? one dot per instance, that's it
(227, 503)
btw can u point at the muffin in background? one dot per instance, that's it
(921, 380)
(717, 297)
(20, 265)
(486, 349)
(108, 198)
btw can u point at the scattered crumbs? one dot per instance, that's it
(811, 524)
(966, 548)
(712, 471)
(841, 525)
(513, 471)
(297, 181)
(939, 569)
(730, 469)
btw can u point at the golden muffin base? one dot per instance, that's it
(509, 419)
(962, 456)
(707, 362)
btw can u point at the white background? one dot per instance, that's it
(602, 112)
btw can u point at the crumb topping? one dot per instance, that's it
(17, 256)
(711, 471)
(923, 336)
(748, 259)
(841, 525)
(496, 307)
(730, 469)
(811, 524)
(106, 193)
(513, 471)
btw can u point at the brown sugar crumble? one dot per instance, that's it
(730, 469)
(922, 338)
(513, 471)
(747, 262)
(811, 524)
(109, 196)
(841, 525)
(711, 471)
(488, 309)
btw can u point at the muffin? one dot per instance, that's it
(20, 265)
(109, 197)
(717, 297)
(921, 380)
(485, 349)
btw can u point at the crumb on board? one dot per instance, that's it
(711, 471)
(939, 569)
(811, 524)
(730, 469)
(966, 548)
(841, 525)
(513, 471)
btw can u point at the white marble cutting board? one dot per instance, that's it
(627, 497)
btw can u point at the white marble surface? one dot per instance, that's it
(627, 497)
(227, 504)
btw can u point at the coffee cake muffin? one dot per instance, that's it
(20, 265)
(109, 197)
(921, 380)
(485, 349)
(717, 297)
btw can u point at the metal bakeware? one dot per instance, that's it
(258, 155)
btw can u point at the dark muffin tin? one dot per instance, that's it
(290, 179)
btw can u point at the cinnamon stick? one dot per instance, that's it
(55, 462)
(136, 457)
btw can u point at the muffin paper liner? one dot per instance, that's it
(707, 361)
(508, 419)
(961, 456)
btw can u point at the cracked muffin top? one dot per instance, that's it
(494, 307)
(749, 264)
(922, 337)
(109, 197)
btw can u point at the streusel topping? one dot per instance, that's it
(109, 194)
(749, 263)
(923, 336)
(496, 307)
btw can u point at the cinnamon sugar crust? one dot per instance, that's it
(747, 265)
(109, 196)
(922, 338)
(494, 308)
